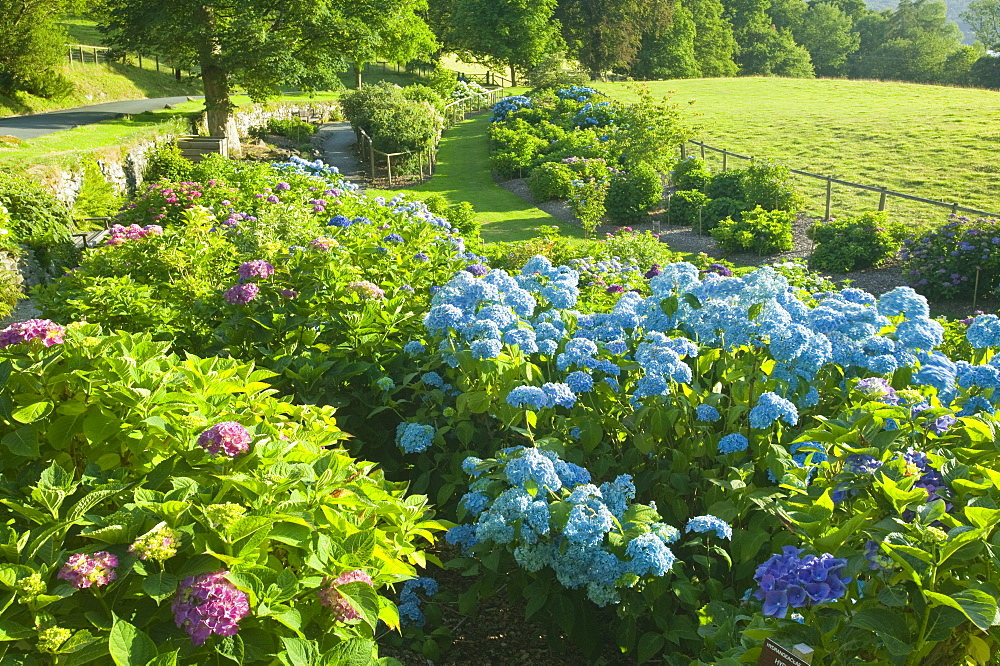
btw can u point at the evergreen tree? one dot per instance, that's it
(714, 45)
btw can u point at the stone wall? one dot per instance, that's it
(125, 171)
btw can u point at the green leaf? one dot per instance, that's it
(361, 544)
(22, 442)
(231, 647)
(982, 517)
(298, 652)
(363, 599)
(649, 646)
(129, 646)
(160, 585)
(889, 625)
(352, 652)
(168, 659)
(12, 631)
(98, 427)
(33, 412)
(941, 620)
(893, 597)
(979, 607)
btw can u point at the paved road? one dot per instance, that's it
(39, 124)
(338, 150)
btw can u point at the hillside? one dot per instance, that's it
(928, 141)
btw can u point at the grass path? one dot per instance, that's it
(463, 174)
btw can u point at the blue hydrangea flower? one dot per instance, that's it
(580, 381)
(709, 523)
(559, 394)
(649, 555)
(984, 331)
(790, 580)
(340, 221)
(385, 383)
(532, 465)
(462, 535)
(733, 443)
(529, 397)
(706, 412)
(432, 379)
(618, 493)
(769, 408)
(474, 503)
(903, 301)
(414, 437)
(409, 603)
(469, 466)
(414, 348)
(486, 349)
(393, 238)
(588, 523)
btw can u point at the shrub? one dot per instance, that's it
(944, 263)
(767, 186)
(641, 249)
(462, 217)
(588, 167)
(409, 127)
(683, 207)
(515, 148)
(291, 128)
(48, 84)
(115, 429)
(586, 198)
(10, 291)
(690, 174)
(38, 220)
(165, 162)
(97, 197)
(631, 194)
(550, 180)
(847, 244)
(551, 73)
(361, 104)
(716, 210)
(576, 144)
(727, 185)
(422, 93)
(758, 230)
(442, 80)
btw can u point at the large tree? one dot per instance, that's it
(260, 45)
(983, 16)
(515, 33)
(606, 34)
(669, 53)
(827, 33)
(714, 44)
(31, 44)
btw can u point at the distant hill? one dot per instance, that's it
(955, 8)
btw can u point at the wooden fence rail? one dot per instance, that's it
(883, 192)
(454, 112)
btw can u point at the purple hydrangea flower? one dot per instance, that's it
(477, 270)
(44, 330)
(82, 570)
(331, 598)
(393, 238)
(229, 438)
(209, 604)
(789, 580)
(258, 268)
(241, 294)
(288, 293)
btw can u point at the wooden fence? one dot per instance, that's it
(101, 55)
(379, 162)
(883, 192)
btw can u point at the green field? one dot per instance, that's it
(929, 141)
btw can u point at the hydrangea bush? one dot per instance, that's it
(946, 262)
(144, 524)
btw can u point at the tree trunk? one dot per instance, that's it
(358, 68)
(215, 80)
(513, 76)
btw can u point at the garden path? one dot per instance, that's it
(338, 142)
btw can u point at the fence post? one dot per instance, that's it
(371, 156)
(82, 61)
(725, 159)
(684, 151)
(388, 166)
(881, 200)
(954, 211)
(702, 145)
(140, 61)
(829, 192)
(420, 163)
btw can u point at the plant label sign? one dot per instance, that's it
(774, 655)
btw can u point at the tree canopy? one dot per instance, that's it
(983, 16)
(31, 43)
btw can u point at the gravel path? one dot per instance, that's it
(684, 239)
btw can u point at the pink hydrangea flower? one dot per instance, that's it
(228, 438)
(240, 294)
(258, 268)
(209, 604)
(82, 570)
(365, 289)
(45, 330)
(331, 598)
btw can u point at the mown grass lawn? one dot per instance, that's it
(929, 141)
(463, 174)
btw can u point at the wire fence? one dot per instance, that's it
(386, 167)
(823, 190)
